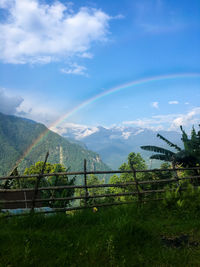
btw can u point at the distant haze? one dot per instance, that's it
(115, 143)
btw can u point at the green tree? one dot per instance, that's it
(187, 157)
(160, 175)
(92, 180)
(48, 181)
(134, 161)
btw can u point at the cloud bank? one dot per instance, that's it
(9, 104)
(169, 121)
(43, 33)
(27, 108)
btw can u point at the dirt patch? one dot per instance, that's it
(178, 241)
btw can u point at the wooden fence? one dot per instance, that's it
(31, 197)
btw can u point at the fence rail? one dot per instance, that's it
(33, 200)
(97, 172)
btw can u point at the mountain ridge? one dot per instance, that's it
(18, 134)
(115, 143)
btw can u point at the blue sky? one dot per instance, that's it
(55, 55)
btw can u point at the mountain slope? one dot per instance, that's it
(18, 134)
(114, 144)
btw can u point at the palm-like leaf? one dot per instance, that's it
(168, 142)
(162, 157)
(189, 156)
(158, 150)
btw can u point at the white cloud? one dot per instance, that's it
(27, 107)
(152, 123)
(35, 109)
(188, 119)
(5, 3)
(86, 55)
(9, 104)
(169, 121)
(174, 102)
(76, 70)
(42, 33)
(154, 104)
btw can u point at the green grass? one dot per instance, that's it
(117, 236)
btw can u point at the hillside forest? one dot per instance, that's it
(189, 156)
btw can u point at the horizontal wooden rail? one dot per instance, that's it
(89, 197)
(57, 210)
(96, 172)
(140, 190)
(99, 186)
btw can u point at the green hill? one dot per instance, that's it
(18, 134)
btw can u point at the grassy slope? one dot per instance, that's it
(120, 236)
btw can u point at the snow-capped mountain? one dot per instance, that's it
(79, 132)
(115, 143)
(74, 131)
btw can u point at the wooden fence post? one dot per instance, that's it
(26, 206)
(85, 182)
(38, 182)
(136, 183)
(53, 192)
(14, 172)
(176, 175)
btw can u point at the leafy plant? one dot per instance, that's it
(186, 196)
(187, 157)
(48, 181)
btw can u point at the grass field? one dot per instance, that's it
(150, 235)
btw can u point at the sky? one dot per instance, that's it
(102, 62)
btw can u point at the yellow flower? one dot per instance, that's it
(94, 209)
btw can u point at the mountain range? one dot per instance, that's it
(115, 143)
(96, 144)
(17, 135)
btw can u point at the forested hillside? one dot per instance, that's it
(18, 134)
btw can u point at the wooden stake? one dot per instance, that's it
(136, 183)
(85, 182)
(38, 182)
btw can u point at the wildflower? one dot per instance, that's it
(94, 209)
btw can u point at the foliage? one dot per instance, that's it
(134, 161)
(117, 236)
(48, 181)
(160, 175)
(184, 196)
(92, 180)
(17, 135)
(187, 157)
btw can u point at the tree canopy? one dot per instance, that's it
(48, 181)
(189, 156)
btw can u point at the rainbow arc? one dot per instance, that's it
(108, 92)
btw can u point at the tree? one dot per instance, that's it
(49, 181)
(187, 157)
(134, 160)
(92, 180)
(10, 183)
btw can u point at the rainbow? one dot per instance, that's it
(104, 94)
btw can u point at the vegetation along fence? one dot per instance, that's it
(132, 190)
